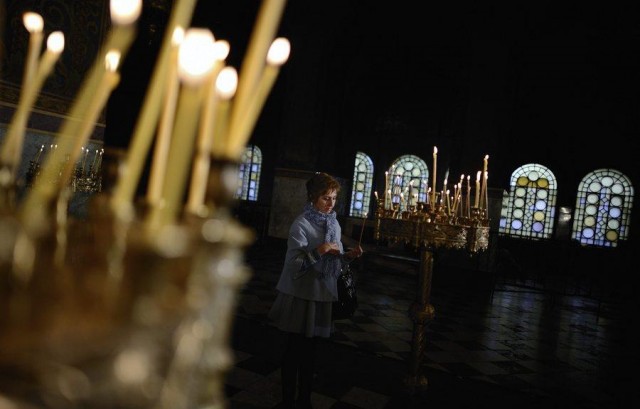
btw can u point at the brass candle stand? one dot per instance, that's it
(427, 228)
(115, 314)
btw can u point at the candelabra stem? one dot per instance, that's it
(420, 312)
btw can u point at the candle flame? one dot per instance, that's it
(435, 150)
(112, 60)
(33, 22)
(221, 49)
(55, 42)
(227, 82)
(196, 55)
(478, 175)
(177, 37)
(278, 51)
(124, 12)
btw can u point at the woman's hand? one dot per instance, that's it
(354, 253)
(331, 248)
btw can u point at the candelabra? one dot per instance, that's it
(139, 314)
(85, 179)
(425, 228)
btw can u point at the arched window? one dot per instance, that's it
(407, 181)
(529, 209)
(603, 209)
(361, 188)
(249, 174)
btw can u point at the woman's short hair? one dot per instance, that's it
(319, 184)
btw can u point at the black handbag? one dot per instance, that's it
(347, 302)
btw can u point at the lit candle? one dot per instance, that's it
(486, 191)
(364, 221)
(37, 158)
(196, 58)
(375, 193)
(448, 203)
(12, 148)
(95, 88)
(200, 168)
(435, 166)
(107, 84)
(484, 181)
(264, 32)
(389, 199)
(84, 158)
(95, 161)
(52, 180)
(142, 136)
(165, 126)
(386, 187)
(226, 85)
(476, 202)
(468, 195)
(242, 123)
(34, 24)
(99, 164)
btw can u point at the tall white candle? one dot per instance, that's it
(242, 123)
(34, 24)
(253, 63)
(12, 149)
(435, 167)
(165, 126)
(476, 202)
(142, 136)
(486, 191)
(468, 201)
(484, 181)
(107, 84)
(226, 86)
(200, 169)
(196, 59)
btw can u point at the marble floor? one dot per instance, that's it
(493, 343)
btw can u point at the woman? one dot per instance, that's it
(307, 286)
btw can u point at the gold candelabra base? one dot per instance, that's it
(426, 229)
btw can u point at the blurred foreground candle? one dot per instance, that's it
(200, 168)
(107, 84)
(34, 24)
(435, 166)
(161, 150)
(264, 32)
(12, 148)
(123, 15)
(143, 133)
(196, 58)
(34, 209)
(226, 85)
(243, 124)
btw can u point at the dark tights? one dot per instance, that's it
(297, 370)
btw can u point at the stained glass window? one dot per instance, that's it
(249, 174)
(603, 209)
(528, 211)
(408, 176)
(361, 188)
